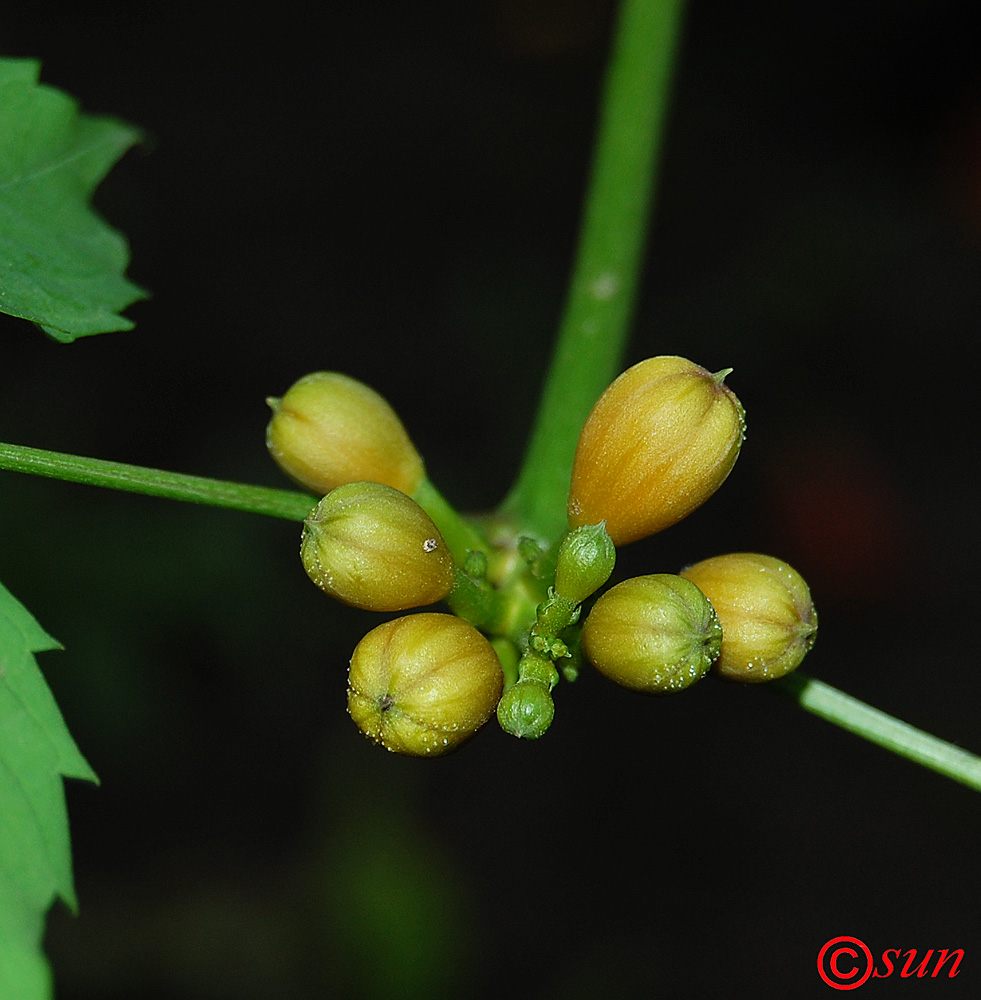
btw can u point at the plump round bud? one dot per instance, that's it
(653, 634)
(767, 615)
(586, 560)
(658, 444)
(526, 710)
(371, 546)
(330, 429)
(423, 684)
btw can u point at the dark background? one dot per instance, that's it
(394, 193)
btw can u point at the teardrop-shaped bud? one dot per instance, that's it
(423, 684)
(658, 443)
(768, 618)
(373, 547)
(586, 560)
(330, 429)
(653, 634)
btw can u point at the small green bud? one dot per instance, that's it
(652, 633)
(657, 444)
(586, 560)
(769, 623)
(538, 669)
(526, 710)
(555, 614)
(530, 550)
(423, 684)
(373, 547)
(330, 429)
(475, 564)
(549, 646)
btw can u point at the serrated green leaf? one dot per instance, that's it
(24, 972)
(36, 750)
(61, 265)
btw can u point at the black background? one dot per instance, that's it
(394, 193)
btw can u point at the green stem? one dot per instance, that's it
(460, 535)
(599, 308)
(287, 504)
(475, 600)
(508, 655)
(877, 727)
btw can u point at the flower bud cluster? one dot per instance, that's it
(657, 444)
(425, 683)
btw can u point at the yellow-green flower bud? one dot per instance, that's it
(658, 444)
(423, 684)
(371, 546)
(586, 560)
(330, 429)
(652, 633)
(767, 615)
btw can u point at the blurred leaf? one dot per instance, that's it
(397, 916)
(60, 264)
(36, 749)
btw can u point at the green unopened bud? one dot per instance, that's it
(330, 429)
(526, 710)
(652, 633)
(373, 547)
(586, 560)
(538, 668)
(423, 684)
(658, 444)
(555, 614)
(768, 619)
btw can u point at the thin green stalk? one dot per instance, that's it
(287, 504)
(507, 653)
(599, 308)
(877, 727)
(460, 535)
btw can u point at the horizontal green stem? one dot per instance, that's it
(877, 727)
(287, 504)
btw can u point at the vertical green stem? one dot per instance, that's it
(602, 292)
